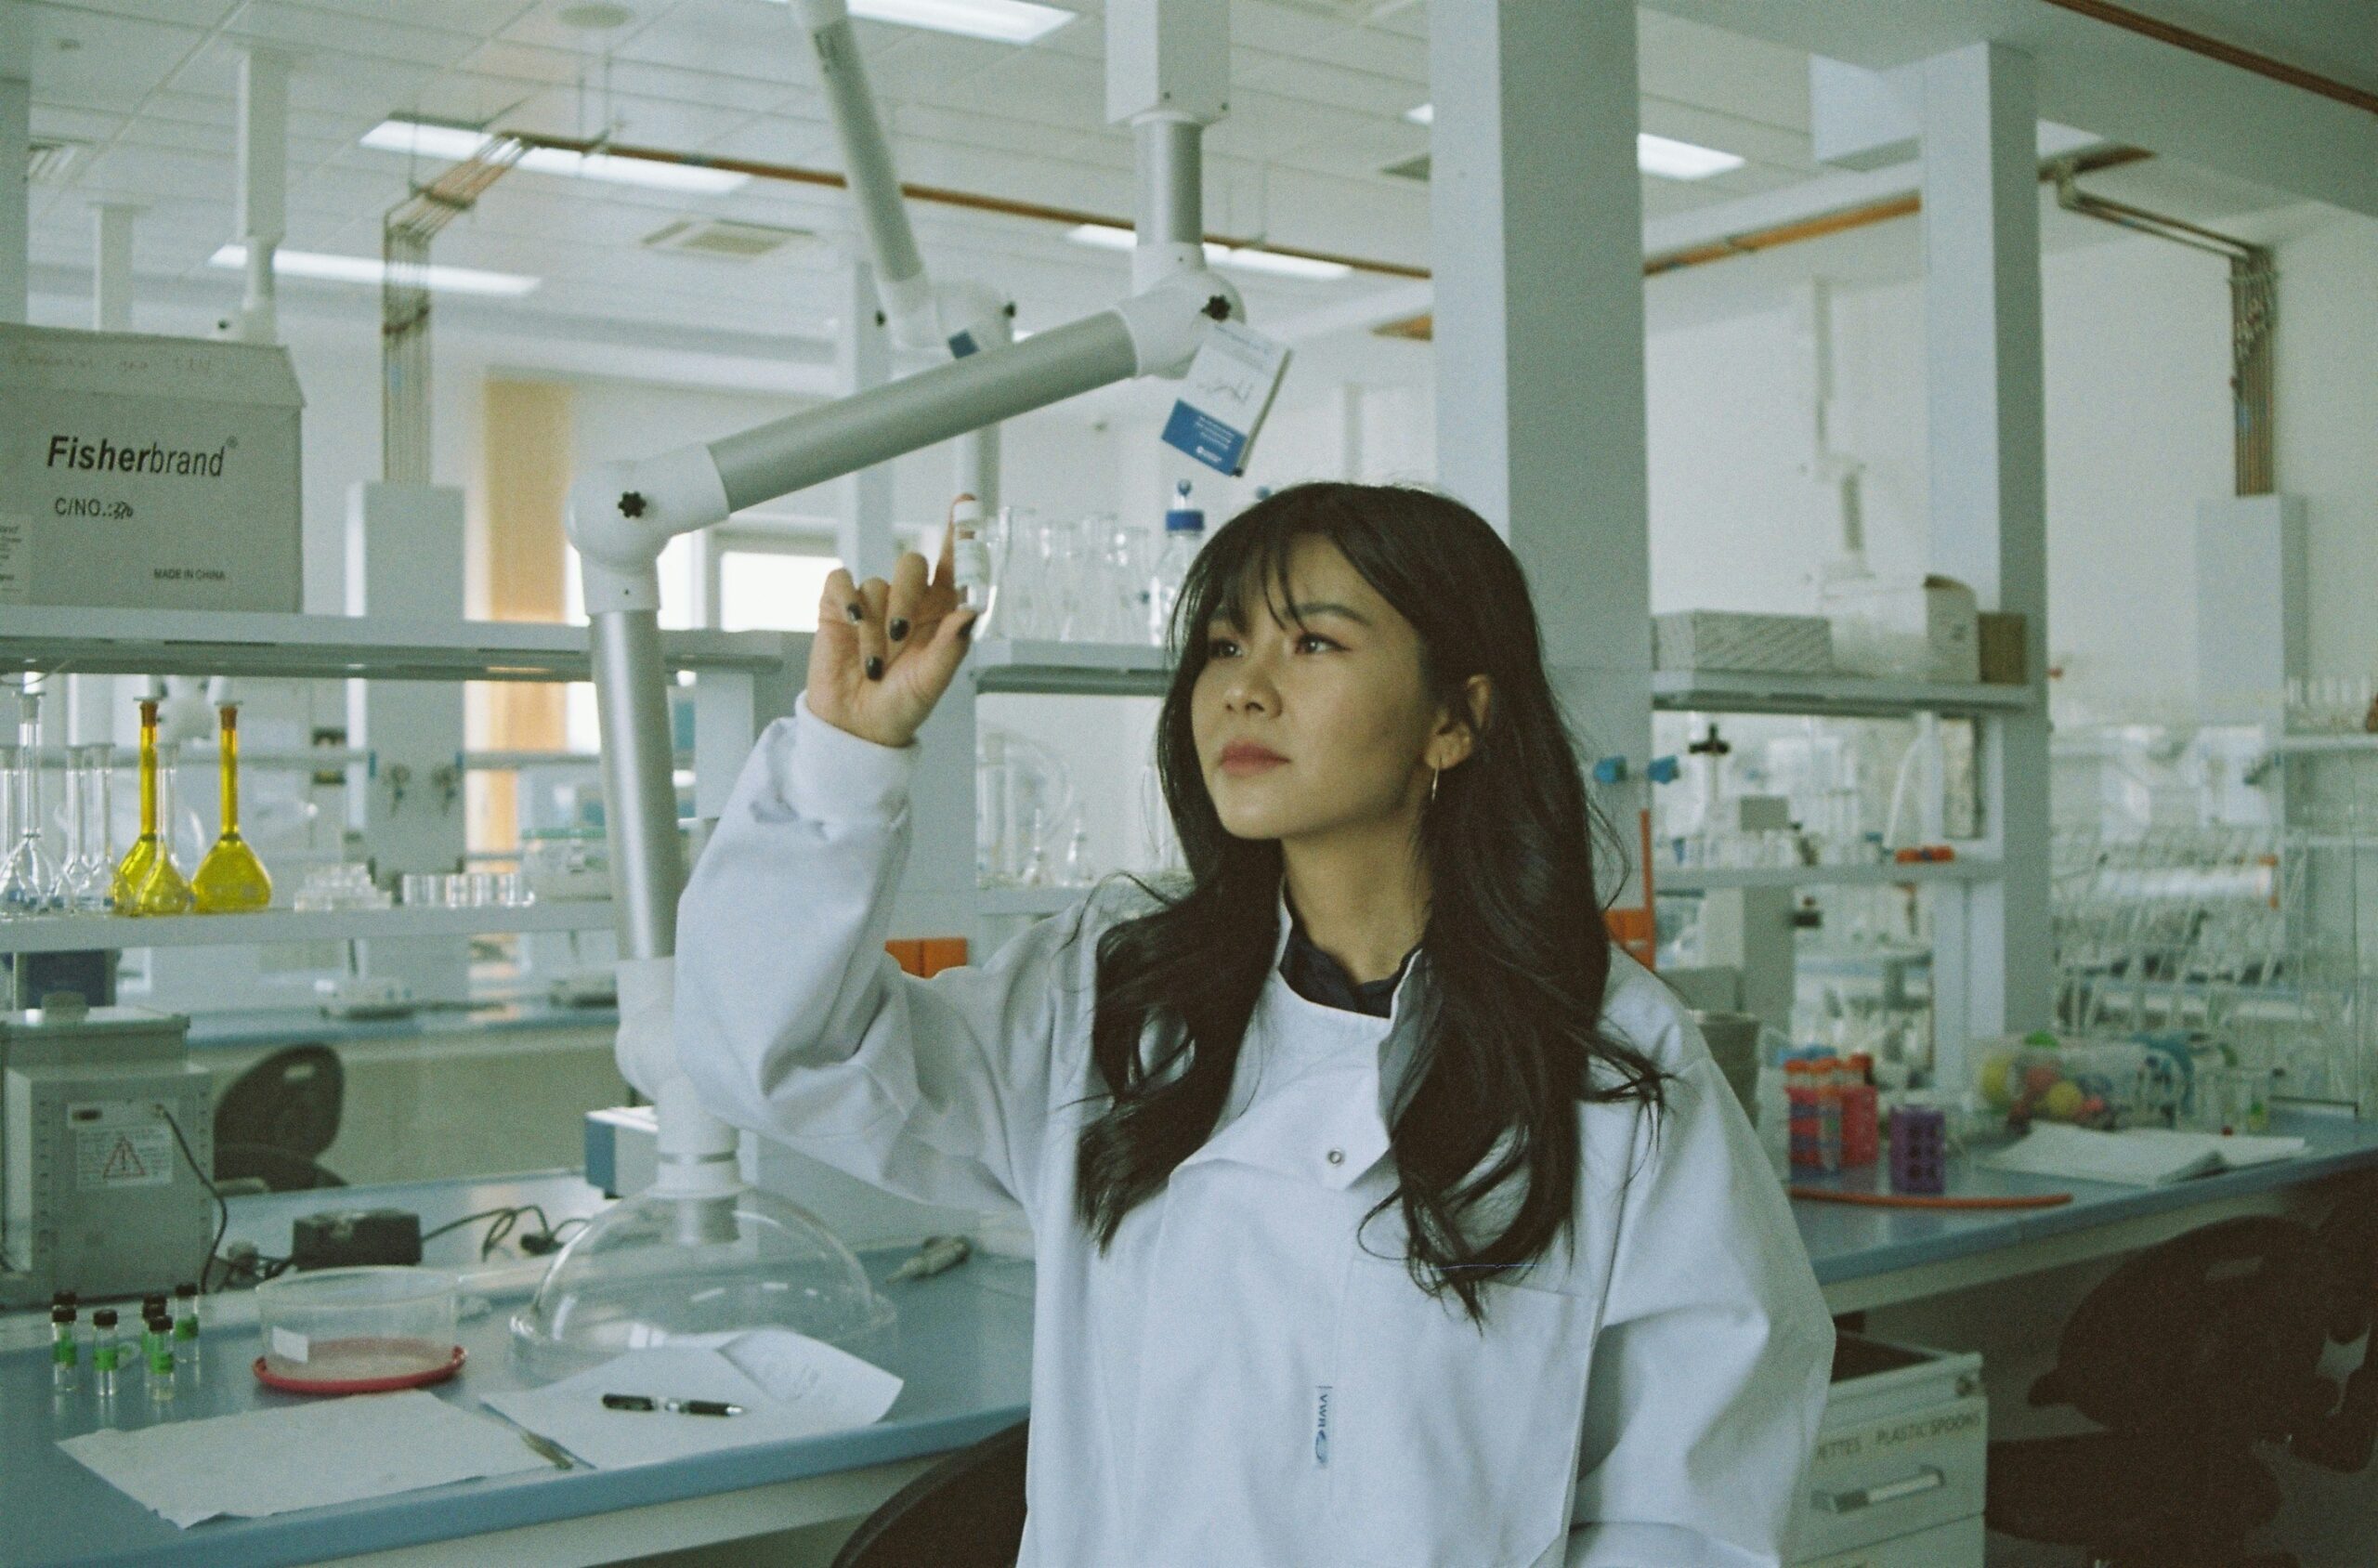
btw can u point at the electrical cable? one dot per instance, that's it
(222, 1210)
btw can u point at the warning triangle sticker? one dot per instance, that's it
(123, 1163)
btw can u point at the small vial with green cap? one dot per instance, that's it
(64, 1354)
(105, 1353)
(186, 1312)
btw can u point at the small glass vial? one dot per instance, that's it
(186, 1312)
(65, 1354)
(160, 1338)
(152, 1307)
(105, 1353)
(970, 561)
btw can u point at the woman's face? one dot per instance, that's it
(1337, 700)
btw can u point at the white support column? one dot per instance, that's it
(112, 266)
(1537, 245)
(1984, 409)
(862, 359)
(16, 135)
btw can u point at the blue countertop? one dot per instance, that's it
(963, 1347)
(1849, 1241)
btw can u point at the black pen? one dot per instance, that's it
(682, 1406)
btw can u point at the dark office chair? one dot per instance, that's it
(278, 1118)
(2344, 1441)
(2190, 1353)
(965, 1512)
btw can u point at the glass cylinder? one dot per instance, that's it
(30, 874)
(230, 880)
(90, 852)
(147, 881)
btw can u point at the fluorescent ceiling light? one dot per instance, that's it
(371, 270)
(1664, 156)
(1001, 21)
(417, 138)
(1671, 159)
(1252, 259)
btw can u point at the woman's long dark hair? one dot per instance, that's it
(1515, 952)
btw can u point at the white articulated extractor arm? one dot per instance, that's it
(1167, 67)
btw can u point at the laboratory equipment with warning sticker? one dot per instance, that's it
(105, 1125)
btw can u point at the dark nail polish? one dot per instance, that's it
(856, 613)
(900, 628)
(874, 668)
(966, 631)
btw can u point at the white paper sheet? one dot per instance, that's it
(302, 1456)
(790, 1386)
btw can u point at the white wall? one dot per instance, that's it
(2138, 415)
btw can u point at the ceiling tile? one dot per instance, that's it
(81, 59)
(728, 38)
(311, 31)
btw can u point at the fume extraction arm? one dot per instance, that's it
(699, 1253)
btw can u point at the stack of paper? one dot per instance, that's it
(301, 1456)
(2141, 1156)
(788, 1385)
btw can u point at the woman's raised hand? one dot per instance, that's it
(887, 651)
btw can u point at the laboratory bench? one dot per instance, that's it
(964, 1351)
(271, 1028)
(1877, 1257)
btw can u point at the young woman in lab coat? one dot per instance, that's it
(1385, 1213)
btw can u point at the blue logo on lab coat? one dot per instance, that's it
(1321, 1427)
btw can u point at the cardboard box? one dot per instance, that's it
(1998, 639)
(1708, 639)
(148, 473)
(1921, 630)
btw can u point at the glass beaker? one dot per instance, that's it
(30, 874)
(147, 880)
(231, 880)
(90, 854)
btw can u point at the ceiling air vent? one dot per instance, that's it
(722, 237)
(1411, 168)
(48, 161)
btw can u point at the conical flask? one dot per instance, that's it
(231, 880)
(147, 881)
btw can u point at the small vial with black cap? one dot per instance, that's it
(65, 1354)
(160, 1340)
(186, 1312)
(105, 1353)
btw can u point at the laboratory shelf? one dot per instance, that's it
(1730, 691)
(1070, 669)
(53, 933)
(338, 647)
(1026, 900)
(1701, 879)
(2315, 743)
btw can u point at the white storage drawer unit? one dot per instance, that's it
(1900, 1461)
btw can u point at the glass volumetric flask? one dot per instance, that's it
(230, 880)
(147, 881)
(90, 852)
(29, 872)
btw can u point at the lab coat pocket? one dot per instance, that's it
(1450, 1449)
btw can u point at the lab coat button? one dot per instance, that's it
(1336, 1156)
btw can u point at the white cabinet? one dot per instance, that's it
(1900, 1463)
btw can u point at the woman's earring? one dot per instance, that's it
(1434, 773)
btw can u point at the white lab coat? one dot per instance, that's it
(1236, 1383)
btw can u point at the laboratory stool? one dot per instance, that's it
(967, 1511)
(275, 1119)
(2189, 1353)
